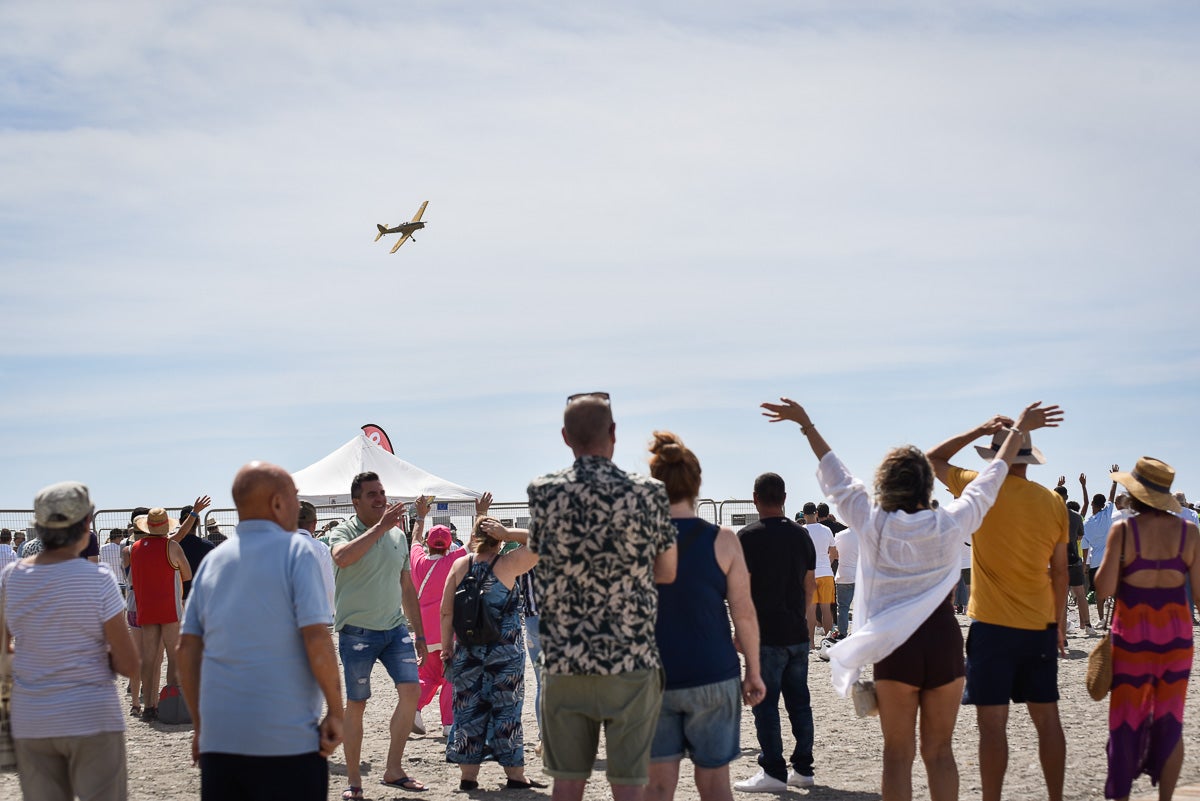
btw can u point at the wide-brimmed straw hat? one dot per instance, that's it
(1150, 482)
(157, 523)
(1027, 455)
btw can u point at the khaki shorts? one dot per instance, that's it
(575, 707)
(61, 768)
(826, 593)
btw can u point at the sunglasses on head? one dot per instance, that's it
(601, 395)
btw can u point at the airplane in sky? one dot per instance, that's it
(405, 229)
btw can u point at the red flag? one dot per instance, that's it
(378, 436)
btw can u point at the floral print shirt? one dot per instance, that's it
(597, 531)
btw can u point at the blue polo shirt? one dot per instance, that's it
(249, 600)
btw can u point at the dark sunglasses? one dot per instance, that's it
(601, 395)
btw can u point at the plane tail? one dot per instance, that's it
(382, 231)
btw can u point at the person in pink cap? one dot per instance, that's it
(431, 559)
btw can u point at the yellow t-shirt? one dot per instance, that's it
(1010, 553)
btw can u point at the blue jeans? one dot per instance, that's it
(845, 594)
(784, 671)
(533, 646)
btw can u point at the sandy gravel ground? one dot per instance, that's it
(848, 751)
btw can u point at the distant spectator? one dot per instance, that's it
(194, 548)
(212, 532)
(307, 526)
(65, 616)
(18, 540)
(158, 570)
(821, 604)
(110, 554)
(7, 554)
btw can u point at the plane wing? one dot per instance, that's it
(403, 239)
(420, 211)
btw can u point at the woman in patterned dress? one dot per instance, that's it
(1148, 560)
(489, 680)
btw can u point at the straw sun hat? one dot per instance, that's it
(1150, 482)
(156, 523)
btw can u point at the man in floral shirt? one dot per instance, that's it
(605, 538)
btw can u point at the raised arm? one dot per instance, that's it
(788, 409)
(1112, 491)
(418, 533)
(200, 504)
(482, 504)
(517, 561)
(940, 455)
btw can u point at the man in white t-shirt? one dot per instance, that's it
(110, 554)
(822, 600)
(307, 526)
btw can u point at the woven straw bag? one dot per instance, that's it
(1099, 672)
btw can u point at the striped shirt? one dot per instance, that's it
(62, 683)
(7, 556)
(110, 554)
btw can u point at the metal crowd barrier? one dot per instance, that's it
(737, 514)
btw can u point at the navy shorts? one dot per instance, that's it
(1006, 664)
(360, 648)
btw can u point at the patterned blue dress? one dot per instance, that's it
(489, 683)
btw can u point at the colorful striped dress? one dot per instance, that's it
(1152, 657)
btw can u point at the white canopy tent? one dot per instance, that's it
(328, 481)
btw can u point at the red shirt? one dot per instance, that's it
(156, 584)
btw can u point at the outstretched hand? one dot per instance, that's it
(786, 409)
(391, 515)
(1035, 416)
(423, 502)
(994, 424)
(202, 503)
(482, 504)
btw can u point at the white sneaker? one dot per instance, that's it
(818, 633)
(761, 783)
(799, 779)
(1091, 632)
(418, 726)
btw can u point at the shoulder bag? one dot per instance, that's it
(1099, 671)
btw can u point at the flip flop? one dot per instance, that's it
(405, 783)
(352, 793)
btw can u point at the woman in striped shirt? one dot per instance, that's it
(67, 620)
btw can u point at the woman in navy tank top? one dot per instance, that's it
(701, 706)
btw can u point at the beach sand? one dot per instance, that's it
(848, 750)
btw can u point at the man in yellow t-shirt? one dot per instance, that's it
(1018, 608)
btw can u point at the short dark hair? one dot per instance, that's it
(138, 512)
(1061, 490)
(53, 538)
(357, 482)
(822, 509)
(1098, 501)
(1073, 506)
(5, 536)
(116, 534)
(770, 489)
(810, 508)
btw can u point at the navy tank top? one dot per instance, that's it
(693, 628)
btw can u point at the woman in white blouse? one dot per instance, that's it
(908, 565)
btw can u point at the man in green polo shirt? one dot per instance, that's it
(374, 600)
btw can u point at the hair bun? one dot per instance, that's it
(667, 447)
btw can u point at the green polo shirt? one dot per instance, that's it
(367, 593)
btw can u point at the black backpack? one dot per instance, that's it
(474, 622)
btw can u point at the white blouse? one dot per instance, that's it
(907, 563)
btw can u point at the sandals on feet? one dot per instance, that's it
(528, 784)
(352, 793)
(405, 783)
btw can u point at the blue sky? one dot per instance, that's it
(906, 216)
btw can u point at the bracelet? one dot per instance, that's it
(193, 514)
(1017, 431)
(420, 520)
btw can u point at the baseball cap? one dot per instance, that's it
(61, 505)
(439, 537)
